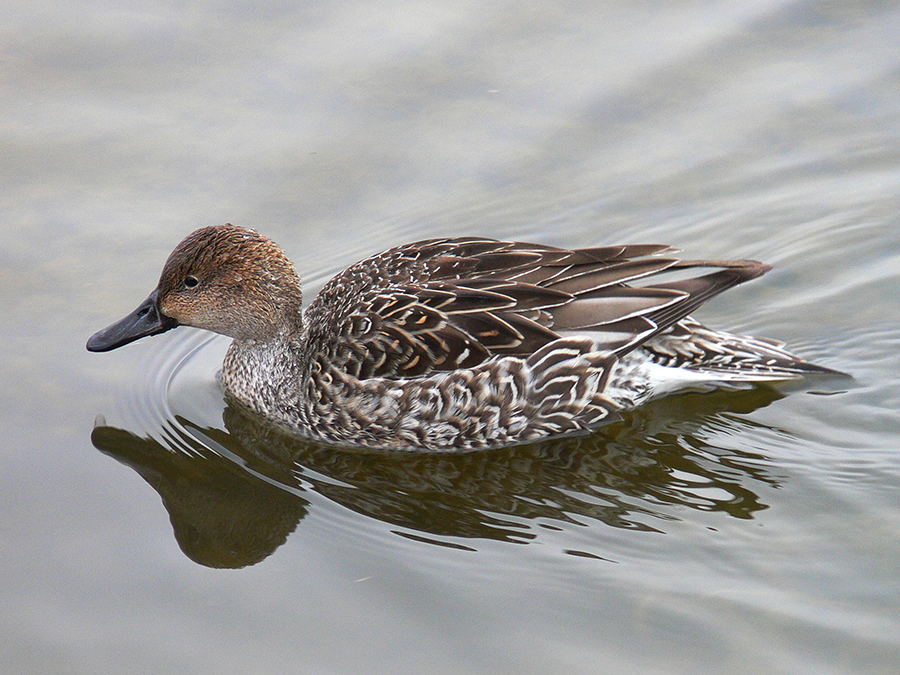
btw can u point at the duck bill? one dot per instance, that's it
(145, 320)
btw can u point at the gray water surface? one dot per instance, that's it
(150, 527)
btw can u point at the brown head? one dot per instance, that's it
(225, 279)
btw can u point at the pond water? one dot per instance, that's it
(149, 527)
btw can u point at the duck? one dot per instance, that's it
(455, 343)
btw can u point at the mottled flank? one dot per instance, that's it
(455, 344)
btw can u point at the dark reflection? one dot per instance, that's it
(233, 497)
(223, 514)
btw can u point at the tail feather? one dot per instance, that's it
(727, 357)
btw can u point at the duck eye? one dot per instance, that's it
(191, 282)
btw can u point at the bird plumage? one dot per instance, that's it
(458, 343)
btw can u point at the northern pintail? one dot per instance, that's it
(455, 343)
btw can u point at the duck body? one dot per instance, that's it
(457, 343)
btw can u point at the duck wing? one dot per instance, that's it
(448, 304)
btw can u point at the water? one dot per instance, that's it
(147, 523)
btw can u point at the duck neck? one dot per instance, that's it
(264, 374)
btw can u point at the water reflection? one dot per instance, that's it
(234, 496)
(224, 514)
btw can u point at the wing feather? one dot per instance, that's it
(446, 304)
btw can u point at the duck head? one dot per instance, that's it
(225, 279)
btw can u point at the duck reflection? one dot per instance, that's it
(234, 496)
(226, 512)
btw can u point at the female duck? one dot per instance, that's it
(454, 344)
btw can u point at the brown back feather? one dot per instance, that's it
(445, 304)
